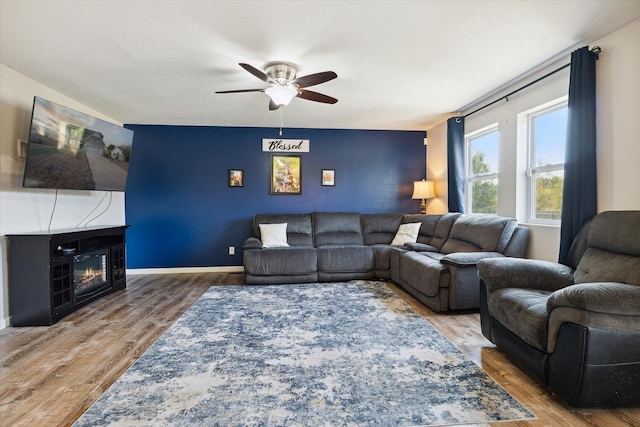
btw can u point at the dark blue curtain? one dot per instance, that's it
(455, 163)
(579, 197)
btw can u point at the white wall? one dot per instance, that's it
(618, 146)
(23, 210)
(618, 109)
(437, 168)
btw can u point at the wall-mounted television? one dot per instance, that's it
(71, 150)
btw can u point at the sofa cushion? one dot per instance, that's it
(379, 228)
(281, 261)
(523, 312)
(616, 231)
(443, 229)
(597, 265)
(517, 246)
(343, 259)
(428, 227)
(381, 256)
(424, 272)
(337, 228)
(273, 235)
(298, 227)
(613, 249)
(479, 233)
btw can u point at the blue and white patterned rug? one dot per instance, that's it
(350, 354)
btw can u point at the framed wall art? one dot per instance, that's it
(236, 177)
(286, 175)
(328, 177)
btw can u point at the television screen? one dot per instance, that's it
(71, 150)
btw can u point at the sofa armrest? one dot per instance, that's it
(602, 307)
(603, 297)
(468, 259)
(464, 285)
(420, 247)
(507, 272)
(252, 243)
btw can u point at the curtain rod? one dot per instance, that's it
(596, 50)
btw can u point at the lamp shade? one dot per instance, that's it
(281, 95)
(423, 190)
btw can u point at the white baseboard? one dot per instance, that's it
(5, 322)
(227, 269)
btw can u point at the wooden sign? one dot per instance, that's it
(285, 145)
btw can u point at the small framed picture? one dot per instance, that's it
(328, 178)
(236, 177)
(286, 175)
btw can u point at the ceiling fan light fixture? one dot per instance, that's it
(284, 85)
(281, 95)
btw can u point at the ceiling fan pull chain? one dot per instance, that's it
(281, 121)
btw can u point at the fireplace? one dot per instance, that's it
(90, 274)
(56, 273)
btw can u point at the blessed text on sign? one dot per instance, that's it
(286, 145)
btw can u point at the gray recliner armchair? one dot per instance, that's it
(575, 328)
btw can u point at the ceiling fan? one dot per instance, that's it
(284, 86)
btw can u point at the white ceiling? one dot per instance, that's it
(400, 64)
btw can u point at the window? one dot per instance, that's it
(547, 128)
(481, 189)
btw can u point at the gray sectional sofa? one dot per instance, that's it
(438, 266)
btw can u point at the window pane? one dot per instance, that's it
(550, 134)
(549, 195)
(484, 197)
(484, 154)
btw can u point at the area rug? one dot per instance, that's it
(338, 354)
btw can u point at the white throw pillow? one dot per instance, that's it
(273, 235)
(407, 233)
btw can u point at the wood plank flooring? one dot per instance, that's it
(50, 375)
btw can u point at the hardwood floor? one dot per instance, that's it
(50, 375)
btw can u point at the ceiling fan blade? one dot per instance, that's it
(253, 70)
(240, 91)
(315, 79)
(315, 96)
(273, 105)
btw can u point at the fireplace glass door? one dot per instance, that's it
(90, 273)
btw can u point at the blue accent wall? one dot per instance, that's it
(182, 213)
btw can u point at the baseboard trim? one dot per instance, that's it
(176, 270)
